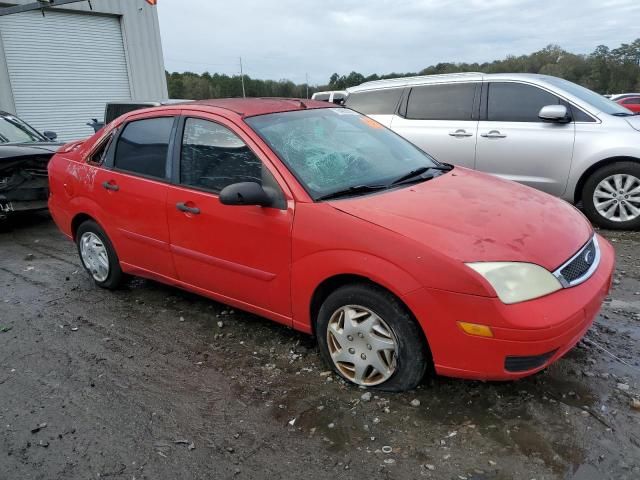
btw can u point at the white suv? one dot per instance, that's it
(539, 130)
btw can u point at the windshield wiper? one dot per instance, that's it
(356, 189)
(418, 173)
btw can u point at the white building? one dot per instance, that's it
(57, 71)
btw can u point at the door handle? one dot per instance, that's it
(184, 208)
(493, 134)
(461, 132)
(110, 186)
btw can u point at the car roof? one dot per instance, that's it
(449, 77)
(247, 107)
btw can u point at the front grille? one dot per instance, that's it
(522, 364)
(581, 266)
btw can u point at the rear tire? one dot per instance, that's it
(363, 326)
(611, 196)
(98, 256)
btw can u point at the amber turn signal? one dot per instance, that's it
(476, 329)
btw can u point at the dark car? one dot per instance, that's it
(24, 155)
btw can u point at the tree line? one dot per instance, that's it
(604, 70)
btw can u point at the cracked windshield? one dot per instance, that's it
(334, 149)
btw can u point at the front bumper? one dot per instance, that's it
(543, 329)
(28, 196)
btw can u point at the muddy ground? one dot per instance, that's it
(143, 383)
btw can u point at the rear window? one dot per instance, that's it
(376, 102)
(442, 102)
(142, 148)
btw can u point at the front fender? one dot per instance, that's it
(309, 272)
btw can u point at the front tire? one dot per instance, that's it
(370, 339)
(611, 196)
(98, 255)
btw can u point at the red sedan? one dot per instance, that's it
(322, 219)
(630, 103)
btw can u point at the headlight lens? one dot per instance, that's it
(516, 282)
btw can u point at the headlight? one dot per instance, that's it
(516, 282)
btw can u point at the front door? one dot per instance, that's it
(513, 143)
(132, 191)
(441, 120)
(241, 253)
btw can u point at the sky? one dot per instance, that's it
(290, 39)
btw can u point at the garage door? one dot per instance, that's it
(63, 68)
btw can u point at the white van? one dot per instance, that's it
(335, 96)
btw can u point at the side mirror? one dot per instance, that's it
(245, 193)
(49, 135)
(555, 114)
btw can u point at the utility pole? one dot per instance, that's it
(306, 82)
(242, 78)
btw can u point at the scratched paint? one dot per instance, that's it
(82, 173)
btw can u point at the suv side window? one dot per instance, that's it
(375, 102)
(213, 157)
(143, 145)
(517, 102)
(442, 102)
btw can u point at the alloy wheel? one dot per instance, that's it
(617, 197)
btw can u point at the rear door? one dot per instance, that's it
(242, 253)
(513, 143)
(132, 191)
(442, 120)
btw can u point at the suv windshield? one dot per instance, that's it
(599, 102)
(336, 149)
(14, 130)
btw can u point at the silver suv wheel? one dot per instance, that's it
(617, 197)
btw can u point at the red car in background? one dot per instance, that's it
(630, 103)
(322, 219)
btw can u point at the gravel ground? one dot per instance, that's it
(150, 382)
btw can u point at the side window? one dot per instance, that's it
(375, 102)
(442, 102)
(322, 97)
(579, 116)
(142, 147)
(338, 98)
(214, 157)
(517, 102)
(100, 153)
(632, 101)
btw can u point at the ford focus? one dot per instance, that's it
(322, 219)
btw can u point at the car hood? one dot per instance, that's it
(473, 217)
(13, 150)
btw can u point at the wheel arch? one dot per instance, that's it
(331, 284)
(577, 194)
(78, 220)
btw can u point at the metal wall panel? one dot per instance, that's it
(142, 51)
(63, 68)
